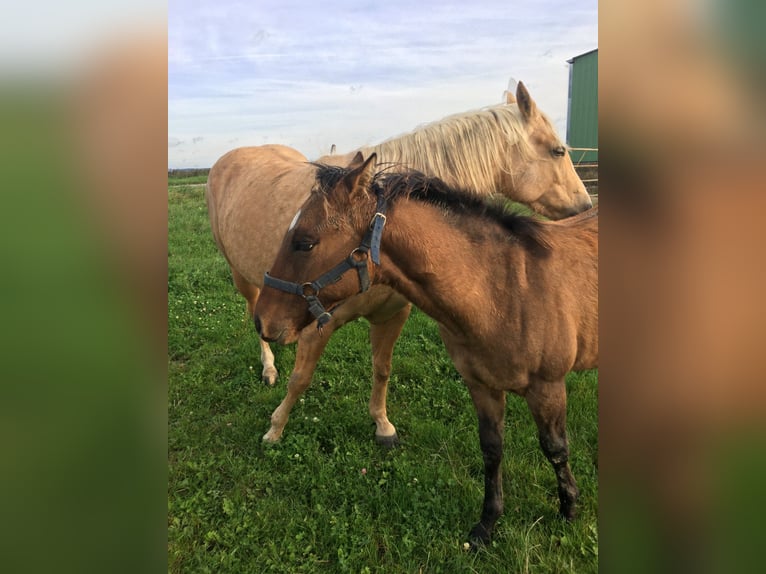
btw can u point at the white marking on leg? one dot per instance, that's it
(267, 359)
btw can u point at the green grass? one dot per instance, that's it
(190, 179)
(304, 505)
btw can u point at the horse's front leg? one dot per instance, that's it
(311, 343)
(490, 408)
(269, 374)
(251, 292)
(383, 337)
(548, 402)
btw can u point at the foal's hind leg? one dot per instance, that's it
(383, 336)
(548, 403)
(250, 292)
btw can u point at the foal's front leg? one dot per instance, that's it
(490, 408)
(251, 292)
(311, 343)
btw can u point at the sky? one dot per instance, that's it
(309, 74)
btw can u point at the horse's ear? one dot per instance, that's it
(526, 103)
(357, 162)
(361, 174)
(509, 99)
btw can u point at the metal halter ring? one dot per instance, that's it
(359, 255)
(308, 290)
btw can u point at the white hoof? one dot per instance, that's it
(272, 436)
(269, 377)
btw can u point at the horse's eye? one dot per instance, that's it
(304, 245)
(559, 151)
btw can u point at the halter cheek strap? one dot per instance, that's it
(357, 259)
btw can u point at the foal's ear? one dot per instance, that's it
(526, 103)
(360, 177)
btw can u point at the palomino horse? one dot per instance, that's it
(252, 193)
(515, 298)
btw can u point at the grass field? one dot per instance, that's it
(326, 498)
(184, 180)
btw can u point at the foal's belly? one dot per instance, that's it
(478, 364)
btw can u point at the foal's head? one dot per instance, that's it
(328, 227)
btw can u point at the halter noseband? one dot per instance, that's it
(357, 259)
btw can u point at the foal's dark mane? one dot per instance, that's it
(416, 185)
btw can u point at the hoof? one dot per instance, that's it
(270, 379)
(479, 537)
(568, 512)
(387, 441)
(271, 437)
(568, 503)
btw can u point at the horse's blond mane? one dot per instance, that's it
(465, 150)
(394, 185)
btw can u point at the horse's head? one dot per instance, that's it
(324, 257)
(548, 181)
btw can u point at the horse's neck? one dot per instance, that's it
(392, 155)
(457, 164)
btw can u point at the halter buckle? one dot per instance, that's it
(378, 215)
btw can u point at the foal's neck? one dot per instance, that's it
(456, 269)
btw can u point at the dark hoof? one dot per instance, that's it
(568, 512)
(479, 537)
(567, 504)
(388, 441)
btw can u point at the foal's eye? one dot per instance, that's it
(559, 151)
(304, 245)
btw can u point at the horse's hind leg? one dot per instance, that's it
(383, 337)
(490, 408)
(311, 343)
(250, 292)
(548, 403)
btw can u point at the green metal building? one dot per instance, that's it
(582, 113)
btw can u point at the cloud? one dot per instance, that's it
(302, 73)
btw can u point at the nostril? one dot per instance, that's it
(257, 321)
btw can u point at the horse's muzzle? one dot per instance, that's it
(259, 330)
(258, 326)
(278, 333)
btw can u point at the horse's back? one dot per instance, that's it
(242, 168)
(252, 194)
